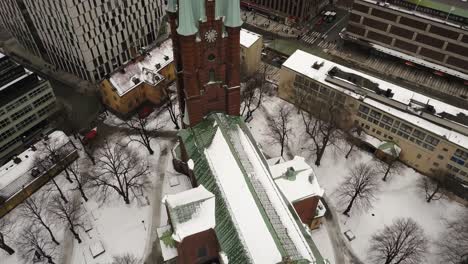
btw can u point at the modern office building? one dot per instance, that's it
(433, 34)
(299, 10)
(432, 135)
(89, 39)
(26, 101)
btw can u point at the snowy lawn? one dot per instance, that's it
(398, 197)
(111, 226)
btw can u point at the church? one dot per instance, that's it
(243, 208)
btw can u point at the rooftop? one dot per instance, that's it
(248, 38)
(249, 205)
(14, 175)
(191, 212)
(302, 62)
(146, 70)
(296, 179)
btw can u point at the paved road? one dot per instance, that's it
(343, 252)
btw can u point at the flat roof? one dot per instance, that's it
(302, 62)
(137, 72)
(248, 38)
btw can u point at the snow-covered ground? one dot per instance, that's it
(117, 228)
(398, 197)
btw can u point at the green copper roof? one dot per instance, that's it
(191, 12)
(233, 17)
(196, 140)
(172, 6)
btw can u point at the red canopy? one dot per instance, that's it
(145, 112)
(91, 134)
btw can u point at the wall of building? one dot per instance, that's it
(303, 10)
(420, 37)
(306, 209)
(89, 39)
(23, 113)
(198, 248)
(251, 58)
(421, 148)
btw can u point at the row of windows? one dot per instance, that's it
(7, 134)
(21, 113)
(38, 91)
(396, 127)
(26, 122)
(17, 103)
(50, 107)
(43, 99)
(5, 122)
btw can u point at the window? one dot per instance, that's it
(419, 156)
(375, 114)
(405, 128)
(364, 109)
(212, 77)
(387, 120)
(5, 122)
(435, 164)
(419, 134)
(432, 140)
(211, 57)
(21, 112)
(445, 149)
(440, 157)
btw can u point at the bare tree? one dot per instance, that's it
(389, 168)
(141, 126)
(125, 259)
(81, 178)
(359, 187)
(403, 242)
(433, 185)
(323, 130)
(32, 243)
(34, 209)
(352, 137)
(68, 214)
(121, 170)
(253, 93)
(6, 228)
(453, 244)
(279, 126)
(171, 108)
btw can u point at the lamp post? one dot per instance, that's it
(451, 10)
(419, 1)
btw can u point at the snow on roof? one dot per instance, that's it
(375, 142)
(248, 38)
(419, 61)
(12, 171)
(191, 212)
(143, 71)
(274, 161)
(245, 212)
(296, 179)
(301, 62)
(450, 135)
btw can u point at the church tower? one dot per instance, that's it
(206, 40)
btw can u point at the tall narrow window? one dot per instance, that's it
(212, 76)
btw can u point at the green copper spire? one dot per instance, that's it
(171, 6)
(233, 17)
(199, 10)
(187, 22)
(220, 8)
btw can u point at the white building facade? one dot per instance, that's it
(90, 38)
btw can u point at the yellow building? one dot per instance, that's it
(143, 80)
(432, 135)
(251, 52)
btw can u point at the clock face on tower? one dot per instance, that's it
(211, 35)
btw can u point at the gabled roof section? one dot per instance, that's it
(249, 206)
(191, 212)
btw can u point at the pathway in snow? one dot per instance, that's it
(152, 244)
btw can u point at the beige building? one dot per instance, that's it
(251, 52)
(143, 80)
(431, 134)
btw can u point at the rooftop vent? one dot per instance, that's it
(158, 66)
(122, 70)
(16, 160)
(317, 65)
(136, 80)
(166, 58)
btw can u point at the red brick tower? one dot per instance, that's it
(206, 39)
